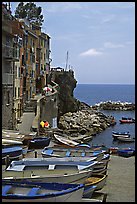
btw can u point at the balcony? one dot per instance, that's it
(7, 79)
(10, 53)
(7, 25)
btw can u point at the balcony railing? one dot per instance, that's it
(7, 79)
(10, 52)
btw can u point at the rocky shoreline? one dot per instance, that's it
(83, 125)
(111, 105)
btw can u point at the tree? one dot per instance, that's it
(29, 11)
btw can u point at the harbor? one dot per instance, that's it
(67, 138)
(120, 183)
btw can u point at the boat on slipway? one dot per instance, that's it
(126, 152)
(12, 152)
(13, 191)
(38, 169)
(98, 180)
(72, 152)
(39, 142)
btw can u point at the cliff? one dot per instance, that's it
(67, 84)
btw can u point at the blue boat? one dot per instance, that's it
(88, 191)
(39, 142)
(72, 152)
(126, 152)
(115, 134)
(120, 133)
(13, 191)
(14, 152)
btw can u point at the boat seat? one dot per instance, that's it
(68, 153)
(49, 151)
(33, 191)
(51, 167)
(6, 189)
(83, 154)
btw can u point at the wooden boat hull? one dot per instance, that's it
(122, 134)
(38, 143)
(126, 152)
(64, 141)
(38, 170)
(14, 152)
(125, 139)
(41, 192)
(98, 180)
(88, 192)
(78, 177)
(127, 120)
(11, 142)
(67, 152)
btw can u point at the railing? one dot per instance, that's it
(7, 78)
(10, 52)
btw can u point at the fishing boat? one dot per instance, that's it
(88, 192)
(126, 152)
(14, 152)
(39, 142)
(126, 120)
(122, 134)
(99, 170)
(69, 162)
(104, 161)
(11, 142)
(72, 152)
(37, 169)
(64, 141)
(13, 135)
(13, 191)
(125, 139)
(98, 180)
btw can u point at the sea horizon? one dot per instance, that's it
(96, 93)
(102, 84)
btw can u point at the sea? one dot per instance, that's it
(92, 94)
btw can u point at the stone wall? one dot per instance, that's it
(7, 105)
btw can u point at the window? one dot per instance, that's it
(44, 56)
(41, 42)
(26, 55)
(15, 92)
(31, 41)
(18, 71)
(18, 92)
(8, 97)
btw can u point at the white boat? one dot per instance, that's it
(11, 142)
(65, 141)
(72, 152)
(99, 170)
(115, 134)
(41, 192)
(37, 169)
(125, 139)
(14, 152)
(98, 180)
(88, 192)
(80, 163)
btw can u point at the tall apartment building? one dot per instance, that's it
(25, 65)
(10, 55)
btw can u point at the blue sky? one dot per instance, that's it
(98, 36)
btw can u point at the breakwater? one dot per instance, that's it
(112, 105)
